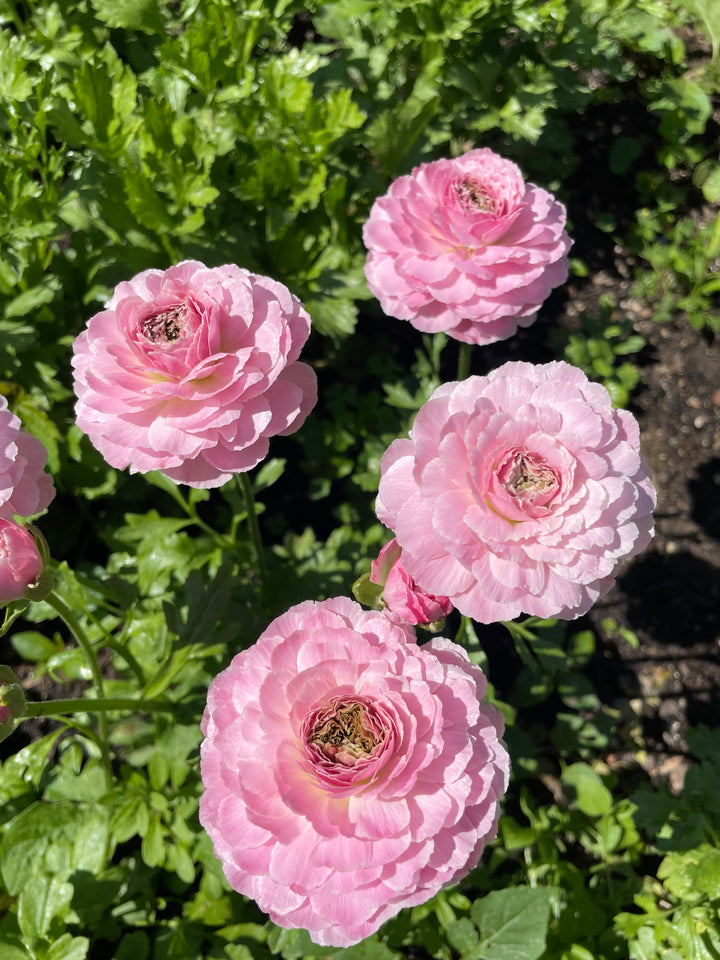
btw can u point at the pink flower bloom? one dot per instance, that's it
(190, 370)
(467, 247)
(518, 492)
(348, 772)
(401, 595)
(25, 488)
(20, 561)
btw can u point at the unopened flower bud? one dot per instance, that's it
(21, 562)
(401, 597)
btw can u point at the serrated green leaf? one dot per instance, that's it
(24, 303)
(130, 14)
(333, 316)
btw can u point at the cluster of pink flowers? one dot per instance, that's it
(349, 772)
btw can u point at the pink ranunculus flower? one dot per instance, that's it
(347, 771)
(518, 492)
(401, 596)
(465, 246)
(25, 488)
(191, 370)
(21, 564)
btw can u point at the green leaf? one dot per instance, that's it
(130, 14)
(33, 646)
(513, 923)
(26, 841)
(270, 471)
(690, 873)
(514, 835)
(12, 949)
(586, 790)
(69, 948)
(391, 136)
(41, 900)
(24, 303)
(133, 946)
(462, 935)
(335, 317)
(153, 845)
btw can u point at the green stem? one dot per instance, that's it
(191, 510)
(253, 525)
(463, 367)
(71, 621)
(462, 629)
(54, 708)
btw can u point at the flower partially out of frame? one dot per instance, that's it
(466, 247)
(401, 596)
(191, 370)
(21, 562)
(519, 492)
(25, 488)
(347, 771)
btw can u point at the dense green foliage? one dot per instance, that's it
(140, 133)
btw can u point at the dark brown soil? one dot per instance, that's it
(669, 597)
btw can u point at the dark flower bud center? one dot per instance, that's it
(345, 734)
(166, 325)
(472, 196)
(529, 475)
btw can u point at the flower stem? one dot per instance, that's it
(253, 525)
(71, 621)
(463, 367)
(54, 708)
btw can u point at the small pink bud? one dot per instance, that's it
(401, 596)
(21, 564)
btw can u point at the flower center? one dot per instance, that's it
(473, 196)
(344, 732)
(168, 325)
(527, 476)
